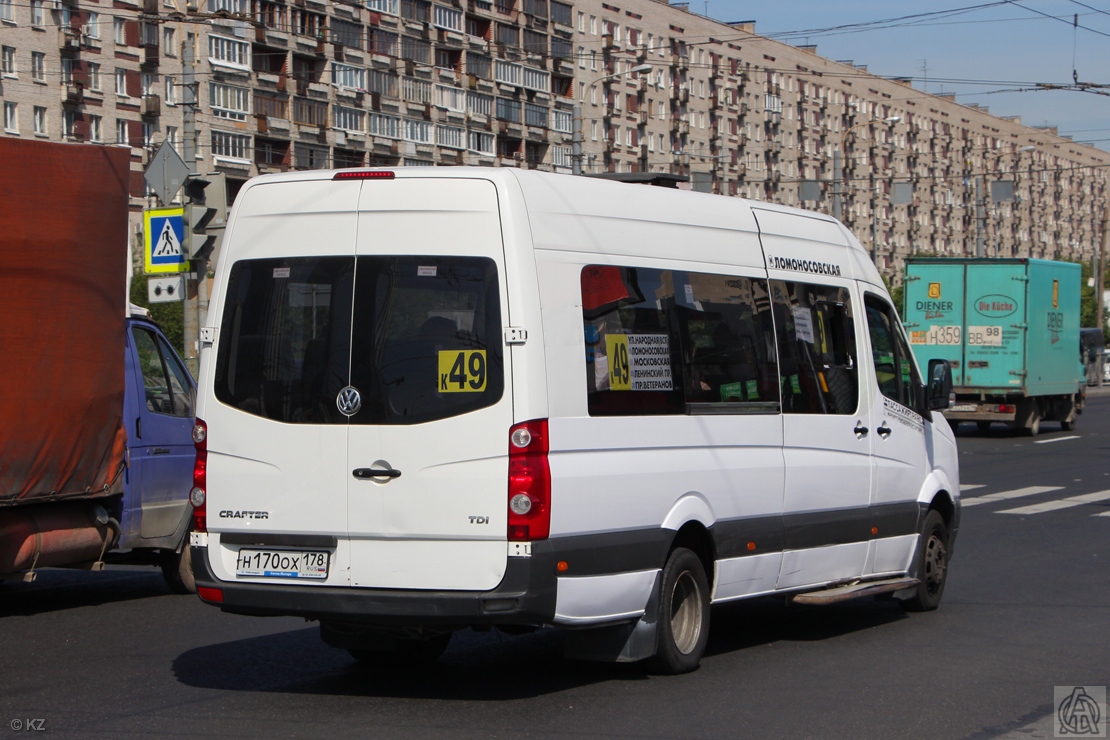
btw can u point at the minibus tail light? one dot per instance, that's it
(198, 496)
(529, 482)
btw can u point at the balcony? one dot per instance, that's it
(72, 92)
(151, 54)
(69, 39)
(151, 105)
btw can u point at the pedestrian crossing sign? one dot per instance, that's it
(163, 234)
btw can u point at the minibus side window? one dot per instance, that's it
(817, 348)
(894, 368)
(672, 342)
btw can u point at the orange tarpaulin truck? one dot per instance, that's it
(79, 375)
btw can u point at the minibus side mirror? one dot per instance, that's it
(939, 390)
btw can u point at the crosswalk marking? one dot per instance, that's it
(971, 486)
(1007, 495)
(1063, 503)
(1055, 439)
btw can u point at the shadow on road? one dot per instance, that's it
(493, 666)
(59, 589)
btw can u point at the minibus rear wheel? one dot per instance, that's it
(683, 626)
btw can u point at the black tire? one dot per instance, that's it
(955, 426)
(932, 565)
(406, 653)
(1068, 426)
(177, 569)
(984, 426)
(1034, 427)
(683, 625)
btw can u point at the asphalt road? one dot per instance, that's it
(1027, 607)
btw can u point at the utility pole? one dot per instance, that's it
(1100, 269)
(980, 219)
(191, 305)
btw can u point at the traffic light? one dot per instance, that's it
(205, 212)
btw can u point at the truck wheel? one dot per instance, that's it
(932, 565)
(683, 626)
(177, 569)
(1034, 426)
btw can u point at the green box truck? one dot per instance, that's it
(1009, 328)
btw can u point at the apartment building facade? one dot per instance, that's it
(283, 84)
(744, 115)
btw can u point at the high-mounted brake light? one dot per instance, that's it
(529, 482)
(364, 175)
(199, 494)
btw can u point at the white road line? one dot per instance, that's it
(1102, 513)
(1007, 495)
(1064, 503)
(1058, 439)
(971, 486)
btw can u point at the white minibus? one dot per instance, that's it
(440, 398)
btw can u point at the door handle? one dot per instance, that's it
(161, 451)
(884, 431)
(370, 473)
(860, 430)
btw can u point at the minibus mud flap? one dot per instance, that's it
(626, 642)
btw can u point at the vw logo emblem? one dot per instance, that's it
(348, 401)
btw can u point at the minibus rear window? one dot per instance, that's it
(419, 338)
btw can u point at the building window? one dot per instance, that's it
(346, 33)
(451, 137)
(169, 41)
(94, 76)
(171, 92)
(36, 14)
(311, 157)
(480, 143)
(349, 119)
(6, 15)
(92, 26)
(418, 131)
(40, 120)
(229, 51)
(449, 18)
(388, 127)
(121, 82)
(508, 109)
(562, 121)
(38, 66)
(231, 146)
(561, 13)
(345, 75)
(69, 124)
(96, 129)
(119, 33)
(147, 82)
(171, 136)
(122, 135)
(7, 61)
(581, 22)
(11, 118)
(148, 134)
(228, 101)
(383, 6)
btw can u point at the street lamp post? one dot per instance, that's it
(838, 177)
(980, 200)
(576, 131)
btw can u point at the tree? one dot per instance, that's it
(169, 316)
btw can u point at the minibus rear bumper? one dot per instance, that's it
(525, 596)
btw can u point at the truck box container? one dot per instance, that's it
(1009, 328)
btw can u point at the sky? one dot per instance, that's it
(991, 53)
